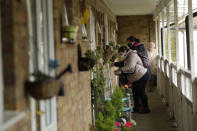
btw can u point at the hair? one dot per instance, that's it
(122, 49)
(133, 39)
(151, 45)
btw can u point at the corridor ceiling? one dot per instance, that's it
(132, 7)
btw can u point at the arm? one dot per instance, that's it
(119, 64)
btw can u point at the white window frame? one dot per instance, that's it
(1, 79)
(44, 34)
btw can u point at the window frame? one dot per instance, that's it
(1, 78)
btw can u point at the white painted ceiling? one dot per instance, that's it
(132, 7)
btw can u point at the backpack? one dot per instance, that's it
(142, 53)
(144, 58)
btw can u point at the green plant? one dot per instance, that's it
(106, 117)
(94, 55)
(117, 100)
(115, 48)
(40, 76)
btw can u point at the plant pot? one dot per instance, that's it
(44, 89)
(85, 64)
(108, 53)
(69, 33)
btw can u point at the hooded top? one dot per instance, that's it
(133, 66)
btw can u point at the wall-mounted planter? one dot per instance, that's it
(84, 63)
(69, 33)
(108, 53)
(43, 89)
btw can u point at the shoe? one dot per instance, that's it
(144, 111)
(135, 110)
(147, 110)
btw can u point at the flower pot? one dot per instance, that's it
(108, 53)
(43, 89)
(69, 33)
(85, 64)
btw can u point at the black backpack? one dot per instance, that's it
(142, 53)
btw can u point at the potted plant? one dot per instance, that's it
(91, 58)
(110, 52)
(44, 87)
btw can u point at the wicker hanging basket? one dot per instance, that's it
(108, 53)
(43, 89)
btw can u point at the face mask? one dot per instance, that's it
(123, 56)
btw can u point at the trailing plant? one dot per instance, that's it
(115, 48)
(95, 55)
(40, 76)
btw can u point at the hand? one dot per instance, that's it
(112, 64)
(117, 72)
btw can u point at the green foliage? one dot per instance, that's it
(115, 50)
(98, 82)
(117, 100)
(109, 111)
(106, 118)
(94, 55)
(40, 76)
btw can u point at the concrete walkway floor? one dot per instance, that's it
(157, 119)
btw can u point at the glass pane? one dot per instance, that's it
(165, 33)
(182, 9)
(195, 41)
(183, 48)
(172, 31)
(194, 5)
(173, 43)
(1, 81)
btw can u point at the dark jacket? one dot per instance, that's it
(142, 52)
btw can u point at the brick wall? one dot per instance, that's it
(142, 26)
(74, 109)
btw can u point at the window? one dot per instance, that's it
(194, 9)
(165, 32)
(172, 31)
(161, 36)
(195, 40)
(1, 81)
(184, 46)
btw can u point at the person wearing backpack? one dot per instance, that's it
(137, 74)
(134, 44)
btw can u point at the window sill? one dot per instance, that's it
(11, 118)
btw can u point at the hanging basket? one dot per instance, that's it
(43, 89)
(69, 33)
(85, 64)
(108, 53)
